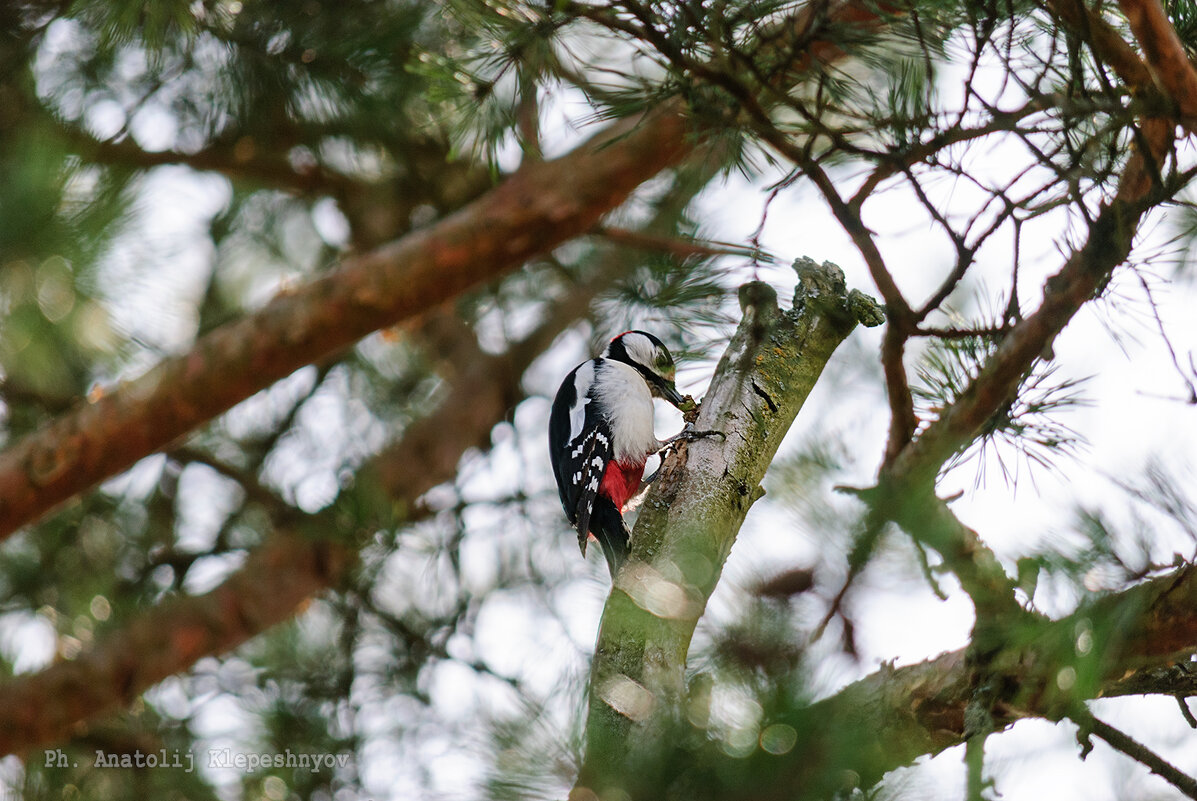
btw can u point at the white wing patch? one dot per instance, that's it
(583, 381)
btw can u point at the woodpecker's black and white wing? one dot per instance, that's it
(580, 443)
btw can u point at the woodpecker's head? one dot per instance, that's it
(651, 358)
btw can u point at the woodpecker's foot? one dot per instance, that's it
(687, 434)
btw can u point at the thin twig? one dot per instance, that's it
(681, 248)
(1155, 312)
(254, 489)
(1120, 741)
(1185, 712)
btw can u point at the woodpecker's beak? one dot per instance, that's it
(668, 391)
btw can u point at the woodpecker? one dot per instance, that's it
(601, 435)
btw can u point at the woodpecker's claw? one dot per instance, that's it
(687, 434)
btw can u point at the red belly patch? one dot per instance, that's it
(620, 482)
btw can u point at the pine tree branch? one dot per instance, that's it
(896, 715)
(909, 473)
(1080, 279)
(1121, 741)
(269, 169)
(536, 209)
(304, 556)
(1107, 43)
(912, 471)
(1166, 56)
(295, 564)
(689, 521)
(533, 211)
(910, 476)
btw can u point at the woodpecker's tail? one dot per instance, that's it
(606, 523)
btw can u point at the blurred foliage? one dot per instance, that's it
(167, 167)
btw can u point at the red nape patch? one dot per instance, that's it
(620, 482)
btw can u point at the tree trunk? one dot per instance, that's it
(690, 520)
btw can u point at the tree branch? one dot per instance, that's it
(1085, 272)
(911, 473)
(1078, 281)
(1121, 741)
(690, 520)
(897, 715)
(539, 207)
(1166, 56)
(290, 567)
(305, 555)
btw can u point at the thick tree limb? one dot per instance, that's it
(297, 561)
(536, 209)
(45, 707)
(689, 521)
(1107, 43)
(290, 567)
(1166, 56)
(896, 715)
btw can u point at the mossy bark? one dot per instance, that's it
(689, 521)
